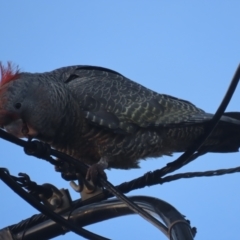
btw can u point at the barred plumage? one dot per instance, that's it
(94, 113)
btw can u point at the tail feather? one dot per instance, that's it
(227, 134)
(234, 115)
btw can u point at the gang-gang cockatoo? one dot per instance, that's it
(103, 118)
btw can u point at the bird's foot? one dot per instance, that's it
(97, 170)
(68, 172)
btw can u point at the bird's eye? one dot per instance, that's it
(18, 105)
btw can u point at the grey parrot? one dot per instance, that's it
(104, 119)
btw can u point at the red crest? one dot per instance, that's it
(8, 73)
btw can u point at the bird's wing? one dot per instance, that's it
(110, 100)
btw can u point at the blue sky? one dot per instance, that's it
(186, 49)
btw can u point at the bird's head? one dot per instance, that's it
(29, 104)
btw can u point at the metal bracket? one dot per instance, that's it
(86, 188)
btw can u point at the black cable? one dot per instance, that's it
(133, 206)
(4, 176)
(35, 219)
(10, 138)
(218, 172)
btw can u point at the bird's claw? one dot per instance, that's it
(95, 171)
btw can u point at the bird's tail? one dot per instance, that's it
(226, 136)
